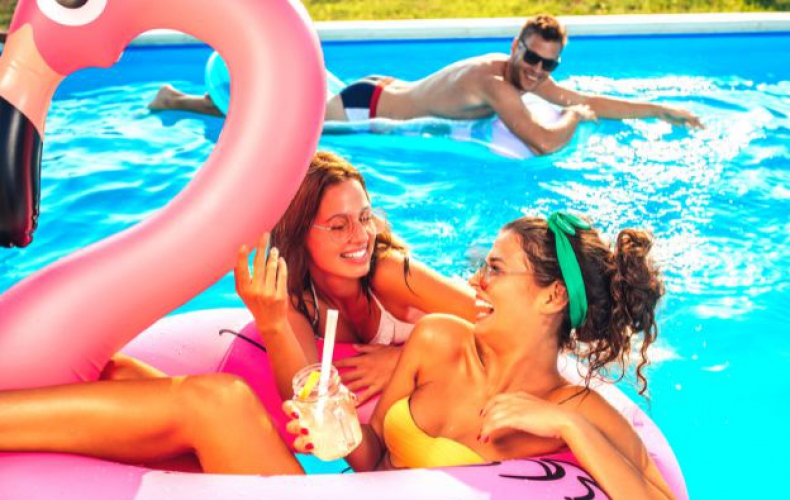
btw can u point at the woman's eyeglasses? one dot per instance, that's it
(533, 58)
(485, 273)
(341, 227)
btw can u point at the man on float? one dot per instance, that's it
(479, 87)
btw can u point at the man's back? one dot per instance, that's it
(455, 91)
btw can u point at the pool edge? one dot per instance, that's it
(638, 24)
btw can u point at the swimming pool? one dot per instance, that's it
(716, 199)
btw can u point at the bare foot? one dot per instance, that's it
(168, 98)
(164, 98)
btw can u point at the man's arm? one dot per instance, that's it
(618, 109)
(541, 138)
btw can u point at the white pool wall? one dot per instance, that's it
(640, 24)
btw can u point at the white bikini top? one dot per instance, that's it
(391, 330)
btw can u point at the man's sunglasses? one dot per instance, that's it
(533, 59)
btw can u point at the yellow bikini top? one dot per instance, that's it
(410, 447)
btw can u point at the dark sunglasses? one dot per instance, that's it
(533, 59)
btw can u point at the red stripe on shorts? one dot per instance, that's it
(374, 100)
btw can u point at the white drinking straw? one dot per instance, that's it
(329, 347)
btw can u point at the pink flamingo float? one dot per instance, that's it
(62, 324)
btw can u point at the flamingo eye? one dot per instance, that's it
(72, 12)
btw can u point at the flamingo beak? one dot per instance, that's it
(27, 84)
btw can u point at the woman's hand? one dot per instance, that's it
(265, 293)
(294, 426)
(370, 370)
(523, 412)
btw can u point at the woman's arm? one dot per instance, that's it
(422, 287)
(286, 334)
(598, 435)
(618, 474)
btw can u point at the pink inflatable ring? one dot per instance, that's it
(219, 341)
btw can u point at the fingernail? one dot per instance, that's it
(485, 439)
(309, 446)
(294, 415)
(304, 431)
(478, 437)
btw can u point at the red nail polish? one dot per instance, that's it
(309, 446)
(478, 437)
(304, 431)
(294, 415)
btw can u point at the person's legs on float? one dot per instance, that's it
(172, 99)
(123, 367)
(335, 111)
(217, 417)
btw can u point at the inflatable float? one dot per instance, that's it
(62, 324)
(224, 340)
(489, 132)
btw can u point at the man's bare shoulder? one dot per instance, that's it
(487, 64)
(485, 72)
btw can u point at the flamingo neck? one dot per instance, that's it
(21, 61)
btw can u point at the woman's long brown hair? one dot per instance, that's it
(290, 234)
(622, 287)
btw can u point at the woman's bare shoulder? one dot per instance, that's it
(441, 337)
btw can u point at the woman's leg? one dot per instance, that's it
(218, 417)
(123, 367)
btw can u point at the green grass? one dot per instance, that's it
(429, 9)
(6, 9)
(325, 10)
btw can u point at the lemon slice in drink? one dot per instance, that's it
(309, 385)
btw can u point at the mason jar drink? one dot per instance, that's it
(331, 418)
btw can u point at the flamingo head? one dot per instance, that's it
(74, 34)
(50, 39)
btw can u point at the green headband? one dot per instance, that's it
(563, 225)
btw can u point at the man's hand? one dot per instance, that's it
(678, 116)
(583, 111)
(370, 370)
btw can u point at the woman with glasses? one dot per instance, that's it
(490, 390)
(464, 392)
(340, 254)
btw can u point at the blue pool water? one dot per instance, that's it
(717, 200)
